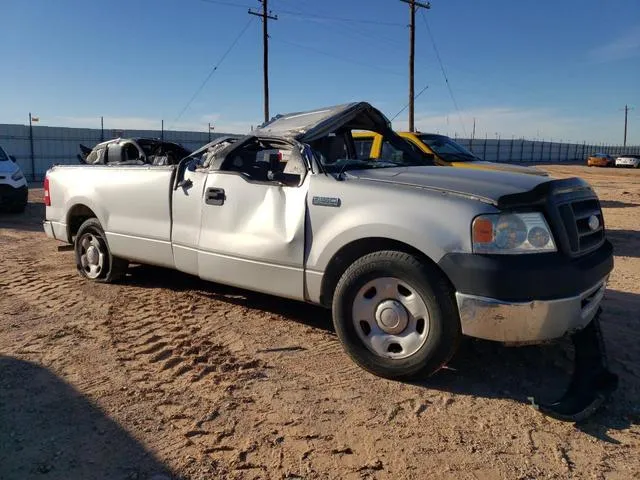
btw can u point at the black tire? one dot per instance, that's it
(16, 208)
(435, 291)
(111, 269)
(19, 207)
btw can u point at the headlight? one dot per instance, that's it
(512, 233)
(17, 176)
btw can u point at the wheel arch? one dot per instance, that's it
(356, 249)
(77, 215)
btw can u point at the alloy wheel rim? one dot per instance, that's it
(92, 256)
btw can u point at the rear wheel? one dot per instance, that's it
(396, 316)
(93, 257)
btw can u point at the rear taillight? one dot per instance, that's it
(47, 196)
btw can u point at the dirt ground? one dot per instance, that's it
(165, 376)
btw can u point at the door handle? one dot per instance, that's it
(214, 196)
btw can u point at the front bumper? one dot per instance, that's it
(527, 298)
(13, 196)
(533, 321)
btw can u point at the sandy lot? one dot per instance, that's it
(165, 376)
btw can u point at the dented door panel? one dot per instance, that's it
(252, 235)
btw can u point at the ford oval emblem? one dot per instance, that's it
(594, 223)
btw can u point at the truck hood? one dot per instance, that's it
(503, 167)
(483, 185)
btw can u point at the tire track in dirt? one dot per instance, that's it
(134, 318)
(22, 278)
(198, 339)
(170, 346)
(175, 348)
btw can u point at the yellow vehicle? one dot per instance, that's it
(445, 151)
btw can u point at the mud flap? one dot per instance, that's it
(591, 382)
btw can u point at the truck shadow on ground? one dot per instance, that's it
(480, 368)
(492, 370)
(146, 276)
(626, 243)
(617, 204)
(50, 428)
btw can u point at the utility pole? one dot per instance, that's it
(265, 45)
(33, 162)
(412, 50)
(626, 115)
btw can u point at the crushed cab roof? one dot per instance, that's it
(313, 124)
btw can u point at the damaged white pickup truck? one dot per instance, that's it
(409, 256)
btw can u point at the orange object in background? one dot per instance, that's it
(600, 160)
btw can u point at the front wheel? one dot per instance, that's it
(93, 257)
(396, 315)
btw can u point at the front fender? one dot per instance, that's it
(432, 240)
(433, 223)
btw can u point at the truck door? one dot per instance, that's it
(253, 219)
(186, 213)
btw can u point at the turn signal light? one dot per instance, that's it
(482, 230)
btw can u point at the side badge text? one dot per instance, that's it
(326, 201)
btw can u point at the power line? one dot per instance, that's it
(302, 14)
(444, 73)
(349, 32)
(213, 70)
(298, 13)
(345, 59)
(228, 4)
(405, 107)
(325, 19)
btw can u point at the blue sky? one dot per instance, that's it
(547, 69)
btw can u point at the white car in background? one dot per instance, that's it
(13, 185)
(632, 161)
